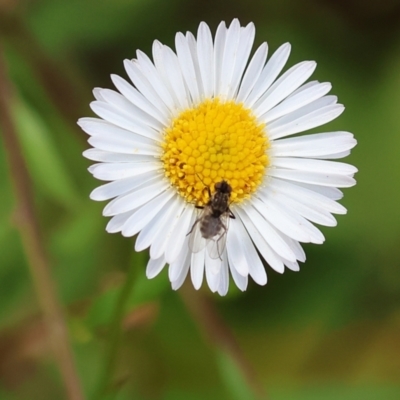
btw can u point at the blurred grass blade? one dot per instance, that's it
(143, 291)
(234, 381)
(44, 162)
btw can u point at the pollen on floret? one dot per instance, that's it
(211, 142)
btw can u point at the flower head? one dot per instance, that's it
(201, 163)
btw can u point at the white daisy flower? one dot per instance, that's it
(205, 116)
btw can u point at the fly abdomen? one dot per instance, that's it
(210, 226)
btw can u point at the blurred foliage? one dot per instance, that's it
(331, 331)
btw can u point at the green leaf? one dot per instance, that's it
(101, 311)
(44, 163)
(233, 377)
(144, 290)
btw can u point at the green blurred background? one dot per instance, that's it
(331, 331)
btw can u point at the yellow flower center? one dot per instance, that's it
(211, 142)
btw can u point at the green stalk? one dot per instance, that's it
(104, 388)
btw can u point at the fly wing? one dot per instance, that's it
(196, 240)
(217, 244)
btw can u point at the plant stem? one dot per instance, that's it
(107, 374)
(215, 330)
(32, 242)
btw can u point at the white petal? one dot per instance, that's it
(196, 240)
(335, 156)
(125, 106)
(255, 266)
(139, 160)
(294, 266)
(269, 73)
(330, 192)
(240, 280)
(113, 171)
(117, 222)
(246, 40)
(174, 75)
(162, 65)
(270, 235)
(187, 66)
(296, 101)
(142, 216)
(274, 260)
(195, 58)
(314, 178)
(310, 212)
(223, 285)
(160, 241)
(114, 146)
(137, 98)
(110, 157)
(319, 144)
(112, 114)
(212, 265)
(119, 187)
(155, 228)
(234, 247)
(287, 221)
(176, 284)
(175, 268)
(298, 121)
(154, 75)
(296, 247)
(205, 54)
(308, 85)
(197, 268)
(179, 235)
(320, 166)
(140, 81)
(99, 128)
(97, 94)
(306, 196)
(284, 86)
(154, 267)
(219, 44)
(127, 202)
(229, 52)
(252, 73)
(320, 103)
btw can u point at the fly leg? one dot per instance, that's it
(195, 223)
(221, 237)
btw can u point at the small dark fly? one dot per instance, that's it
(211, 227)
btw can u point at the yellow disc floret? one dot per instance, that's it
(211, 142)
